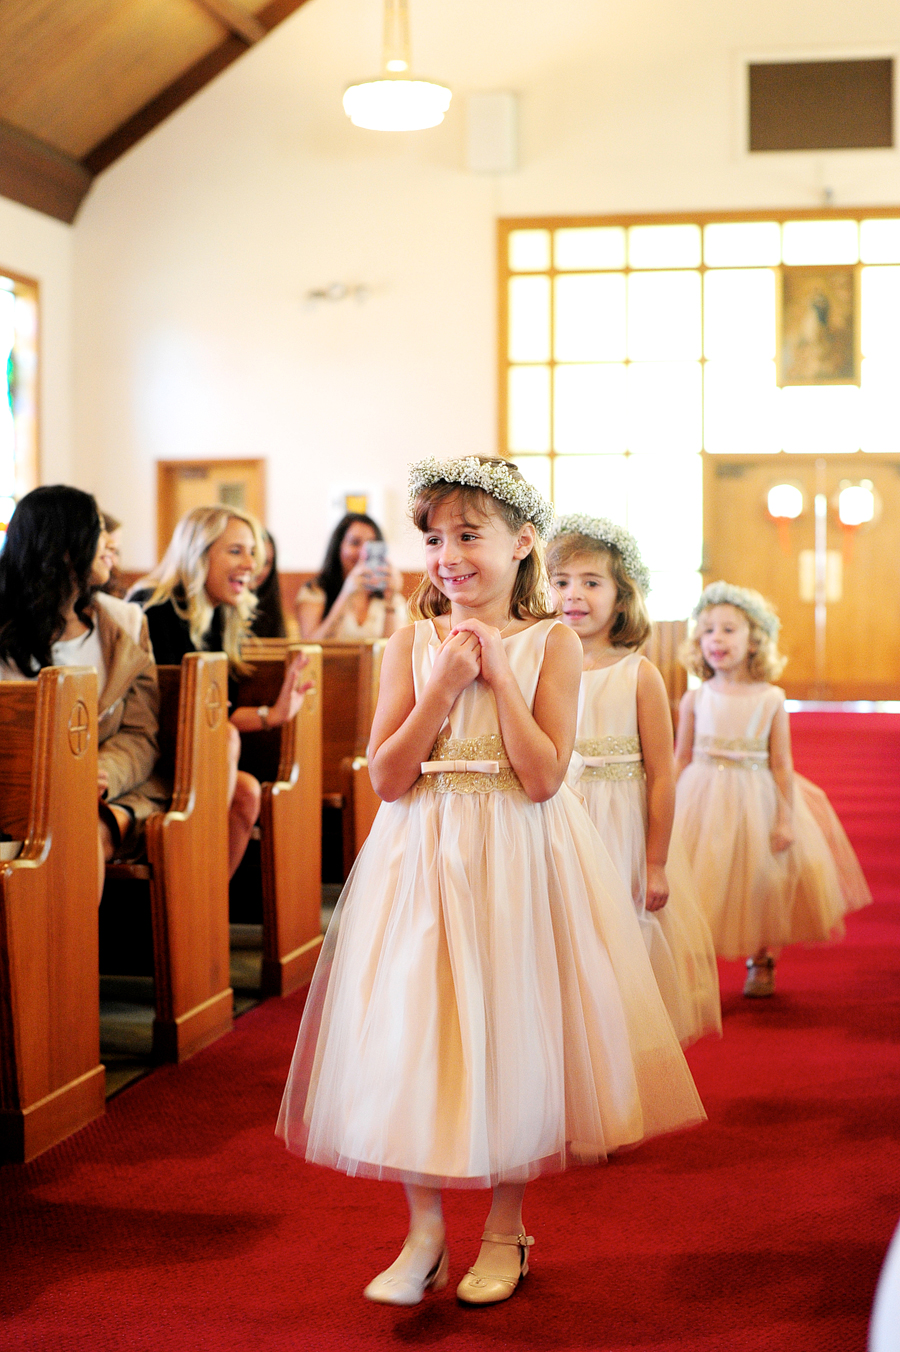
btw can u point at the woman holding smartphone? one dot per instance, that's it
(356, 595)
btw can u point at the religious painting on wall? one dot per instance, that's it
(818, 327)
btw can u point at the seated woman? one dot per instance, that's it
(352, 598)
(198, 599)
(52, 613)
(268, 620)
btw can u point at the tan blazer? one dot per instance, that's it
(128, 708)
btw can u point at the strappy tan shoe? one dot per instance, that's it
(760, 978)
(484, 1288)
(389, 1288)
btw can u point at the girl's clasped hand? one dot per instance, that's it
(458, 663)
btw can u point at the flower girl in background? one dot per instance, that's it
(773, 863)
(623, 764)
(483, 1010)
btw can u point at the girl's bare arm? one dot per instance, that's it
(655, 728)
(684, 741)
(781, 764)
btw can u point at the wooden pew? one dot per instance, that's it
(361, 803)
(51, 1079)
(288, 764)
(350, 675)
(187, 868)
(666, 637)
(359, 800)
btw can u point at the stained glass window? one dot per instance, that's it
(18, 392)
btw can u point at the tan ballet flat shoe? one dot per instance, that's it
(760, 978)
(484, 1288)
(390, 1288)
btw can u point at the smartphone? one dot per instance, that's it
(375, 555)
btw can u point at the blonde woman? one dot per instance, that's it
(199, 599)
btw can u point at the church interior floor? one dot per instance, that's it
(126, 1003)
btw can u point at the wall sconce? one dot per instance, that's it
(784, 503)
(336, 291)
(856, 503)
(856, 506)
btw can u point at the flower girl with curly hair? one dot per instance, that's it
(772, 862)
(484, 1009)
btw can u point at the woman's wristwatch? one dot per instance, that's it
(262, 714)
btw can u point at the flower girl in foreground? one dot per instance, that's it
(623, 761)
(484, 1010)
(772, 862)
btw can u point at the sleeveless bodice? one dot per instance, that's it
(475, 712)
(471, 733)
(607, 721)
(734, 728)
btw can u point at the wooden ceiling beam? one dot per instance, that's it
(239, 22)
(40, 176)
(182, 89)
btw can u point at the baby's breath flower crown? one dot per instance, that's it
(493, 479)
(606, 532)
(750, 602)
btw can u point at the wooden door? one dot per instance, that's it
(184, 484)
(852, 649)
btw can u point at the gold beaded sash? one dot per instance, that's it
(742, 753)
(468, 765)
(610, 757)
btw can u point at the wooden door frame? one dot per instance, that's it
(164, 487)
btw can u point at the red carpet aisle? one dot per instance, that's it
(178, 1223)
(855, 758)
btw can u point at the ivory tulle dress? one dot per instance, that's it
(608, 771)
(484, 1009)
(726, 804)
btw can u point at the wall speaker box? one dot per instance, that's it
(492, 133)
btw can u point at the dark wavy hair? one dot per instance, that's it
(50, 546)
(268, 620)
(331, 578)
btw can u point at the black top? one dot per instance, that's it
(268, 619)
(170, 636)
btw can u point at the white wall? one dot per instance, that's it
(194, 253)
(39, 248)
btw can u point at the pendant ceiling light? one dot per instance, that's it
(395, 102)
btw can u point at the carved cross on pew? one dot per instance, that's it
(79, 729)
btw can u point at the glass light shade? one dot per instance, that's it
(856, 504)
(785, 502)
(396, 105)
